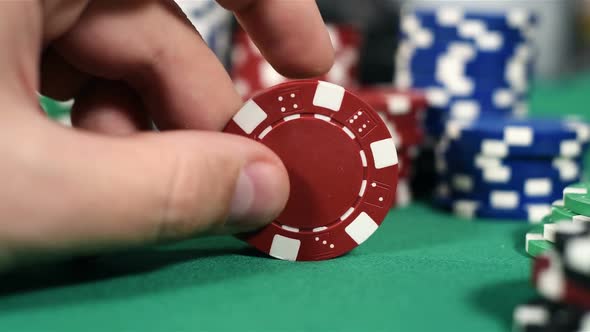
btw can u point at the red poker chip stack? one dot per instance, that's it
(403, 112)
(252, 73)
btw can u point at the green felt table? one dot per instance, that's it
(423, 270)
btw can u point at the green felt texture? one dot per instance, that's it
(423, 270)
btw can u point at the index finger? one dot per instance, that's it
(290, 34)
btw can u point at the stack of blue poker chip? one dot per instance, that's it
(508, 168)
(469, 63)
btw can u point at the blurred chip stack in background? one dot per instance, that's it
(403, 113)
(574, 207)
(562, 279)
(470, 63)
(508, 168)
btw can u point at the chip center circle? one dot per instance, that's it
(325, 171)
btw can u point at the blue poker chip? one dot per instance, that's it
(500, 178)
(454, 23)
(504, 196)
(532, 213)
(477, 88)
(504, 200)
(473, 209)
(450, 158)
(531, 137)
(496, 65)
(434, 122)
(478, 209)
(525, 182)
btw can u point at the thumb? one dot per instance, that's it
(96, 193)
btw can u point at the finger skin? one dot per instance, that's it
(290, 34)
(181, 81)
(110, 108)
(109, 193)
(59, 79)
(68, 192)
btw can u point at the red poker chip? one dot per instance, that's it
(403, 136)
(405, 163)
(342, 166)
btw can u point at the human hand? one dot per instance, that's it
(111, 183)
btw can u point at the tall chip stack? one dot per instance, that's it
(469, 63)
(508, 168)
(562, 278)
(251, 72)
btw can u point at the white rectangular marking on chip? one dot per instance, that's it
(485, 161)
(574, 190)
(349, 133)
(537, 212)
(549, 232)
(319, 229)
(518, 136)
(538, 187)
(363, 187)
(403, 193)
(504, 199)
(500, 174)
(568, 169)
(322, 117)
(264, 132)
(328, 95)
(494, 148)
(249, 117)
(580, 218)
(398, 104)
(384, 153)
(462, 182)
(363, 158)
(558, 202)
(454, 129)
(440, 165)
(284, 247)
(465, 209)
(361, 228)
(290, 229)
(292, 117)
(347, 213)
(570, 148)
(442, 190)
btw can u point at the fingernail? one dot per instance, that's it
(259, 195)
